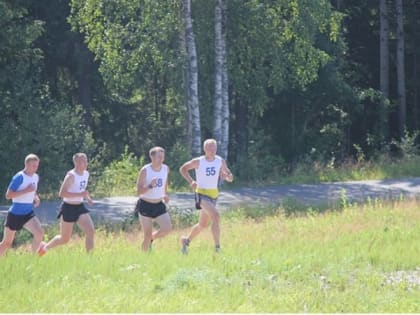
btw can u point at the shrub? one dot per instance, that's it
(119, 177)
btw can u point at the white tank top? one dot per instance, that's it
(207, 173)
(79, 185)
(157, 192)
(26, 180)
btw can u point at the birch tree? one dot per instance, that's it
(221, 91)
(218, 84)
(225, 86)
(192, 101)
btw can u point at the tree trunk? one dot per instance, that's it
(384, 67)
(84, 69)
(225, 88)
(218, 101)
(85, 95)
(415, 76)
(415, 96)
(192, 101)
(400, 68)
(338, 5)
(241, 130)
(185, 69)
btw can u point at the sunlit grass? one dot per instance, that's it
(337, 261)
(384, 168)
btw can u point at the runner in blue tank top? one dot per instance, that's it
(22, 190)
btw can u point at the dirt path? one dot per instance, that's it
(116, 208)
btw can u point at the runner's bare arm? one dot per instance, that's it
(88, 198)
(141, 182)
(225, 172)
(166, 197)
(37, 201)
(188, 166)
(64, 189)
(10, 194)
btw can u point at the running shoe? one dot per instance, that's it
(185, 242)
(42, 249)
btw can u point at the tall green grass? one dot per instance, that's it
(331, 262)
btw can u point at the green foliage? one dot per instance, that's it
(176, 156)
(119, 177)
(107, 77)
(31, 120)
(183, 218)
(407, 147)
(135, 41)
(383, 167)
(260, 165)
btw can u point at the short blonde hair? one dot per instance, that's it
(78, 155)
(154, 150)
(31, 158)
(209, 141)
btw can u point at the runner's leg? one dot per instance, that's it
(147, 227)
(85, 223)
(8, 237)
(214, 216)
(34, 226)
(203, 222)
(165, 226)
(66, 228)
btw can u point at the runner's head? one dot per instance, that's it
(210, 147)
(157, 155)
(80, 161)
(31, 163)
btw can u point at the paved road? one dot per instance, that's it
(116, 208)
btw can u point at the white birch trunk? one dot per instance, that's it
(225, 88)
(218, 101)
(194, 110)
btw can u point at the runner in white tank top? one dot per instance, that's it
(77, 187)
(208, 169)
(207, 176)
(152, 189)
(159, 177)
(74, 191)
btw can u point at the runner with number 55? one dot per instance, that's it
(208, 169)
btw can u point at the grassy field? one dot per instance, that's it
(359, 259)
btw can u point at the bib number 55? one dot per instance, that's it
(210, 171)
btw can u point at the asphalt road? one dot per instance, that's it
(117, 208)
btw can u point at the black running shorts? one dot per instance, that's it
(71, 213)
(15, 222)
(150, 210)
